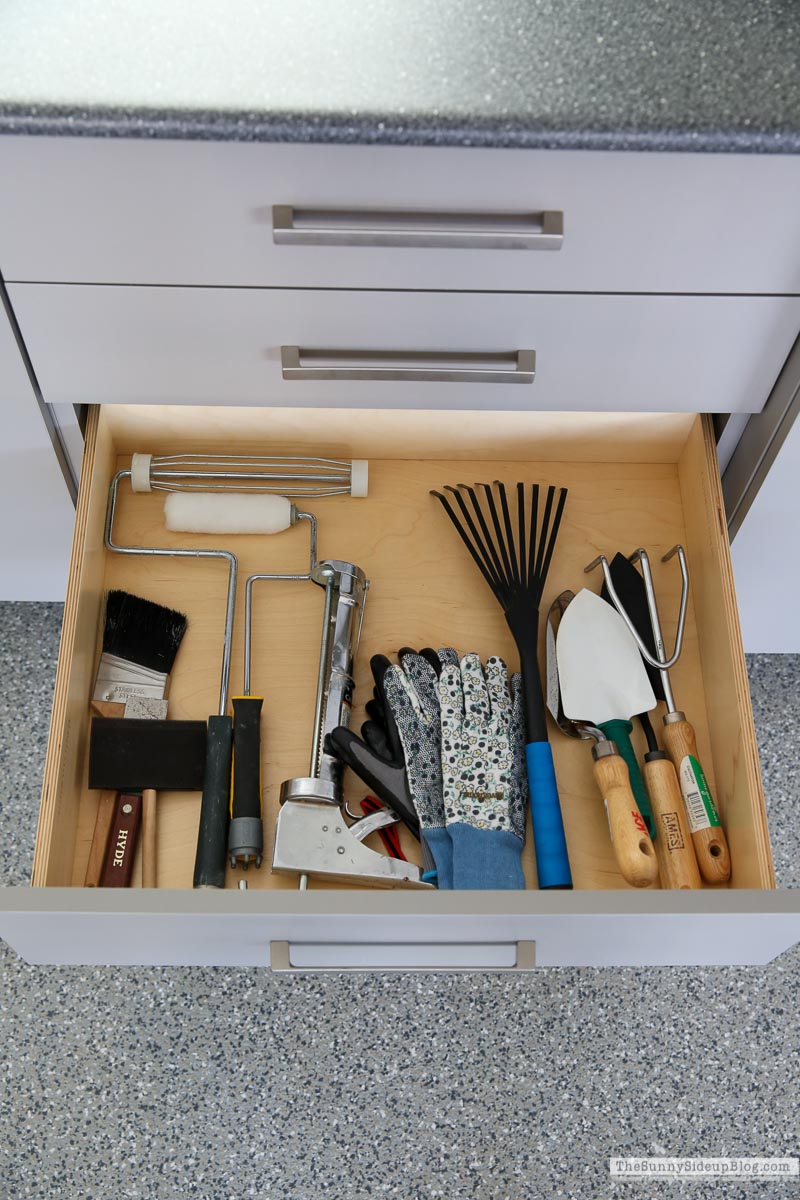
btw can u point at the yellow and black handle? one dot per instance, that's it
(246, 834)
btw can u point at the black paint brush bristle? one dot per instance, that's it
(142, 632)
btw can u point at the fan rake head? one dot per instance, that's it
(514, 563)
(512, 546)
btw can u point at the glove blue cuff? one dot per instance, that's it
(485, 859)
(440, 846)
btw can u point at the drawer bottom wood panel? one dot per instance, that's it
(648, 480)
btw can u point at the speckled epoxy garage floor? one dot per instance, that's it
(225, 1084)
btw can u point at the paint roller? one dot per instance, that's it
(237, 494)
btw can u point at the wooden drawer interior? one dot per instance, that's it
(634, 480)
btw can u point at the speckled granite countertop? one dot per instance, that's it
(568, 74)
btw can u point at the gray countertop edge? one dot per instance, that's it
(375, 129)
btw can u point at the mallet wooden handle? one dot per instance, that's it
(121, 850)
(708, 836)
(633, 849)
(677, 863)
(148, 838)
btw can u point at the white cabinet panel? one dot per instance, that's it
(130, 211)
(37, 512)
(766, 558)
(223, 346)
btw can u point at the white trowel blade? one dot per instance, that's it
(600, 669)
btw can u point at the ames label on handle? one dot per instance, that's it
(700, 807)
(671, 831)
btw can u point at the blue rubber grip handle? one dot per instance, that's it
(549, 843)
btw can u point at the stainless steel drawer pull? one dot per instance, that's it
(432, 366)
(394, 956)
(434, 230)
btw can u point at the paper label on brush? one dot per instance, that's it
(700, 809)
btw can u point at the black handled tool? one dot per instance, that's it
(246, 832)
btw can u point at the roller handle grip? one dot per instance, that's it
(708, 836)
(212, 837)
(677, 864)
(619, 732)
(633, 849)
(549, 841)
(246, 781)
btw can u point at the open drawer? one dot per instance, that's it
(634, 480)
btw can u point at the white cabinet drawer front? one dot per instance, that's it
(117, 211)
(355, 929)
(223, 346)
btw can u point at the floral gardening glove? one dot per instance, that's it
(485, 787)
(410, 692)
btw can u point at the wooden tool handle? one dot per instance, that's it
(121, 849)
(633, 849)
(708, 836)
(105, 806)
(677, 863)
(149, 838)
(106, 708)
(102, 827)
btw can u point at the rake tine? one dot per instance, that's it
(512, 549)
(551, 545)
(509, 574)
(542, 545)
(464, 538)
(534, 522)
(523, 561)
(483, 544)
(502, 575)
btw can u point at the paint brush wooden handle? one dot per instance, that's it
(149, 838)
(677, 863)
(633, 849)
(105, 806)
(102, 827)
(708, 836)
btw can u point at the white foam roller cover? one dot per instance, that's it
(140, 472)
(227, 512)
(359, 477)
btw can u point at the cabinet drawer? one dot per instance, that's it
(224, 346)
(644, 480)
(129, 211)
